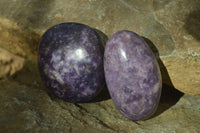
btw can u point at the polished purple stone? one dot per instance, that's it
(71, 62)
(132, 75)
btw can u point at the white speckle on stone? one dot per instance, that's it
(155, 88)
(88, 60)
(95, 65)
(82, 85)
(76, 69)
(60, 63)
(84, 38)
(88, 91)
(135, 103)
(65, 70)
(141, 112)
(95, 84)
(150, 102)
(58, 77)
(128, 36)
(55, 57)
(138, 50)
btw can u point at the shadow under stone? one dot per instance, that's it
(103, 37)
(104, 94)
(169, 95)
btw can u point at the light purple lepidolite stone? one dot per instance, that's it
(132, 75)
(71, 62)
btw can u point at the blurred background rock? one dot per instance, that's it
(171, 28)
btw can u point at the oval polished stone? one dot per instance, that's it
(132, 75)
(71, 62)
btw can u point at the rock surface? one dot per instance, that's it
(172, 26)
(9, 63)
(25, 106)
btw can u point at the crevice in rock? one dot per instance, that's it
(129, 6)
(104, 124)
(74, 116)
(100, 121)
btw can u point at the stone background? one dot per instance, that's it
(170, 27)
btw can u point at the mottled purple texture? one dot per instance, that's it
(132, 75)
(71, 62)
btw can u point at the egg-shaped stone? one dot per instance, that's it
(132, 75)
(70, 61)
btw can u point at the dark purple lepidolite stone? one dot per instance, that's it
(71, 62)
(132, 75)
